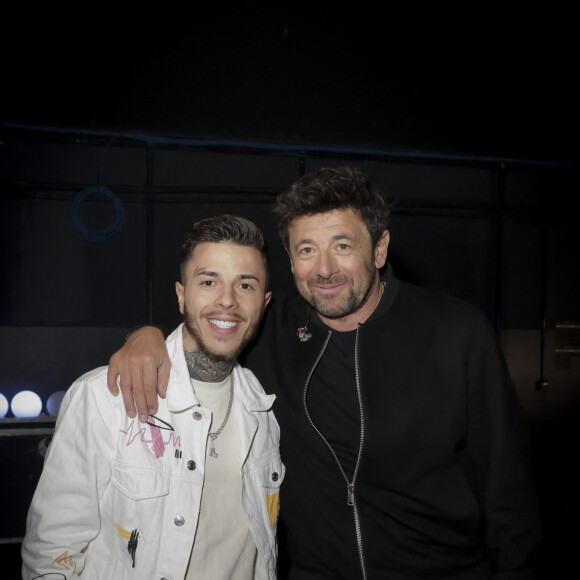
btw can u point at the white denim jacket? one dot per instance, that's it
(120, 499)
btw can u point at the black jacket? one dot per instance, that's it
(445, 486)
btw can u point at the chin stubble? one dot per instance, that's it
(206, 365)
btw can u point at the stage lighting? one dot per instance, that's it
(26, 404)
(3, 406)
(53, 403)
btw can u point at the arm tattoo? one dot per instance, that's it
(202, 369)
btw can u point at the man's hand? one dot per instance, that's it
(143, 366)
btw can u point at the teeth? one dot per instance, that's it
(224, 323)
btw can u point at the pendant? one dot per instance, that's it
(303, 334)
(212, 450)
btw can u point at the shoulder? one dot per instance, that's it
(90, 394)
(437, 315)
(438, 305)
(283, 316)
(89, 384)
(251, 392)
(285, 306)
(249, 381)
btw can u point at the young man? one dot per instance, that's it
(400, 429)
(193, 491)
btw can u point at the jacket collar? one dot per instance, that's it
(389, 295)
(180, 393)
(249, 392)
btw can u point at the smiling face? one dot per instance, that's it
(222, 298)
(335, 267)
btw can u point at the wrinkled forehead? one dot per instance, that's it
(328, 223)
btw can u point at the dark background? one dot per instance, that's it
(466, 120)
(479, 81)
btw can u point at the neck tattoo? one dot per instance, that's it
(203, 369)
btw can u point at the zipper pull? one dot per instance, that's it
(350, 495)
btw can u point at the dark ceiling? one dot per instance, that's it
(472, 83)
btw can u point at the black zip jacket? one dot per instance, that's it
(444, 488)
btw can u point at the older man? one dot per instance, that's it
(191, 491)
(401, 431)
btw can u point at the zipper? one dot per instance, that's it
(350, 485)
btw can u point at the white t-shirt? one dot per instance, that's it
(224, 548)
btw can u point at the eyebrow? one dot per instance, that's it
(203, 271)
(335, 238)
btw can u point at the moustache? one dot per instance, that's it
(332, 281)
(225, 315)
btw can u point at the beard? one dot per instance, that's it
(353, 301)
(214, 357)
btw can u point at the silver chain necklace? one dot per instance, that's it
(216, 434)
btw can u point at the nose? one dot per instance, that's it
(227, 298)
(326, 265)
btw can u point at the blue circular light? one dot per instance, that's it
(113, 228)
(26, 404)
(4, 406)
(53, 403)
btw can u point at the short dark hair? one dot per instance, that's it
(329, 189)
(224, 228)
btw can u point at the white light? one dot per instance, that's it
(53, 403)
(3, 406)
(26, 404)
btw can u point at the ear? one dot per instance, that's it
(381, 250)
(290, 258)
(267, 298)
(179, 290)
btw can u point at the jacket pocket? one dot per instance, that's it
(139, 482)
(139, 496)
